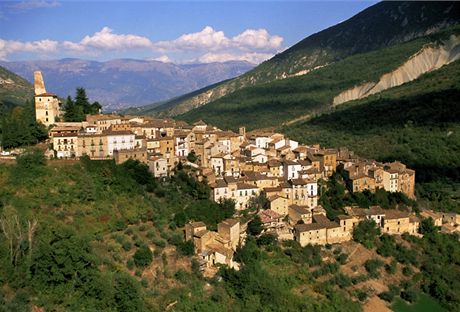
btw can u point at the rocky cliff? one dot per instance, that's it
(430, 58)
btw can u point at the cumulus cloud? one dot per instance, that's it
(40, 47)
(106, 39)
(258, 39)
(252, 57)
(210, 39)
(207, 45)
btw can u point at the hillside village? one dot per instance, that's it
(241, 167)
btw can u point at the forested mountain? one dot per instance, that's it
(383, 25)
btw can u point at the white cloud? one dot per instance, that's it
(258, 39)
(41, 47)
(252, 57)
(34, 4)
(163, 58)
(213, 40)
(106, 39)
(207, 45)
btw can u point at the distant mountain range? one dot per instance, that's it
(122, 83)
(384, 25)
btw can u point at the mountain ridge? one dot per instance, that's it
(122, 83)
(379, 26)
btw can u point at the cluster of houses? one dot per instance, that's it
(240, 167)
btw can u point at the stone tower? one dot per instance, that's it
(47, 105)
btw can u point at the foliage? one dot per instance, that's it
(255, 226)
(18, 127)
(416, 123)
(76, 110)
(143, 256)
(366, 233)
(372, 267)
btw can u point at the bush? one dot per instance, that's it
(255, 226)
(127, 245)
(366, 233)
(143, 256)
(342, 258)
(372, 267)
(391, 268)
(389, 295)
(410, 295)
(186, 248)
(407, 271)
(266, 239)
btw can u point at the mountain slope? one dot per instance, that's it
(271, 104)
(14, 90)
(417, 123)
(122, 83)
(382, 25)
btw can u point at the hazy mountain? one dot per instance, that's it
(14, 90)
(122, 83)
(383, 25)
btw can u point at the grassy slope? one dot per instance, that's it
(273, 103)
(16, 93)
(417, 123)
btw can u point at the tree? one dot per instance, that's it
(427, 226)
(366, 233)
(19, 127)
(255, 226)
(76, 110)
(143, 256)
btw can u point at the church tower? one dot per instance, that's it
(47, 105)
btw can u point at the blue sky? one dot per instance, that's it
(177, 31)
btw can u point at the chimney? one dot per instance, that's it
(242, 131)
(39, 84)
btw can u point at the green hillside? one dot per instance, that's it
(110, 238)
(417, 123)
(94, 236)
(271, 104)
(14, 90)
(383, 25)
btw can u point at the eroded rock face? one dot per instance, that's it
(428, 59)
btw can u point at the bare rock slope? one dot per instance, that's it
(428, 59)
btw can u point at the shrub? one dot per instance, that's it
(186, 248)
(366, 233)
(143, 256)
(127, 245)
(410, 295)
(389, 295)
(372, 267)
(391, 267)
(407, 271)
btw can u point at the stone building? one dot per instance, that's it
(47, 105)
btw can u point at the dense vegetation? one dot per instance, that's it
(18, 127)
(380, 26)
(270, 104)
(92, 235)
(76, 110)
(417, 123)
